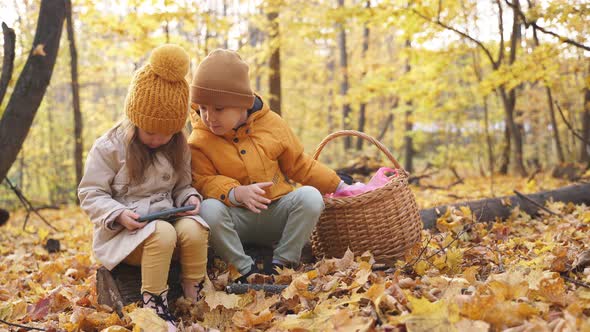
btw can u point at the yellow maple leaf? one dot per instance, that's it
(99, 320)
(346, 320)
(6, 311)
(147, 320)
(19, 310)
(421, 267)
(443, 225)
(299, 286)
(43, 233)
(247, 320)
(429, 316)
(375, 292)
(215, 298)
(219, 318)
(470, 273)
(553, 290)
(454, 260)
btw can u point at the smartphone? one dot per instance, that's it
(165, 214)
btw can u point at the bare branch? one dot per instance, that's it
(570, 127)
(8, 62)
(461, 33)
(501, 28)
(540, 206)
(533, 23)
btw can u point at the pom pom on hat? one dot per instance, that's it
(170, 62)
(157, 100)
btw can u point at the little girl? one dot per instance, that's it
(142, 166)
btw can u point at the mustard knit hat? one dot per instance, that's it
(157, 100)
(222, 80)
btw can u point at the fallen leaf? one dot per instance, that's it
(147, 320)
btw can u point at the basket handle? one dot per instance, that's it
(364, 136)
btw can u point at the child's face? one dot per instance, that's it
(153, 140)
(221, 120)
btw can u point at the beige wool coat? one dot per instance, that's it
(105, 191)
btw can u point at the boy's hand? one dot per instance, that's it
(252, 196)
(127, 218)
(193, 200)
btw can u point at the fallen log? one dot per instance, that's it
(489, 209)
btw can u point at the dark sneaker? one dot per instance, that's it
(244, 278)
(272, 270)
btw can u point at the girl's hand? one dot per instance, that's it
(193, 200)
(252, 197)
(127, 218)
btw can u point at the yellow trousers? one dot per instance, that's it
(185, 240)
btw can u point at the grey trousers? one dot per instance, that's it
(289, 220)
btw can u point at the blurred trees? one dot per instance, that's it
(470, 84)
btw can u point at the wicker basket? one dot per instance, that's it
(385, 221)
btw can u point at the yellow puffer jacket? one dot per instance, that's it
(264, 149)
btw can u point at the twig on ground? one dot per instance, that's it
(576, 282)
(22, 326)
(521, 195)
(27, 204)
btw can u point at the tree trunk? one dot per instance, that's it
(486, 119)
(330, 67)
(254, 40)
(363, 106)
(551, 109)
(560, 155)
(390, 117)
(509, 101)
(409, 125)
(586, 121)
(506, 150)
(8, 61)
(489, 143)
(78, 142)
(509, 98)
(226, 37)
(344, 83)
(274, 80)
(32, 83)
(53, 173)
(408, 141)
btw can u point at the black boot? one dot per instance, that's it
(159, 304)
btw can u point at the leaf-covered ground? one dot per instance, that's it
(466, 276)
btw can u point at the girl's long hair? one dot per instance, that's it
(139, 157)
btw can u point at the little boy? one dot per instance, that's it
(242, 155)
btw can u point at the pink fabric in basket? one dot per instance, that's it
(377, 181)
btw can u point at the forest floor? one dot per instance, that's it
(511, 274)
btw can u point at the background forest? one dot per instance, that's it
(469, 85)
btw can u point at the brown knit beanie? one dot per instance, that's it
(222, 80)
(157, 100)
